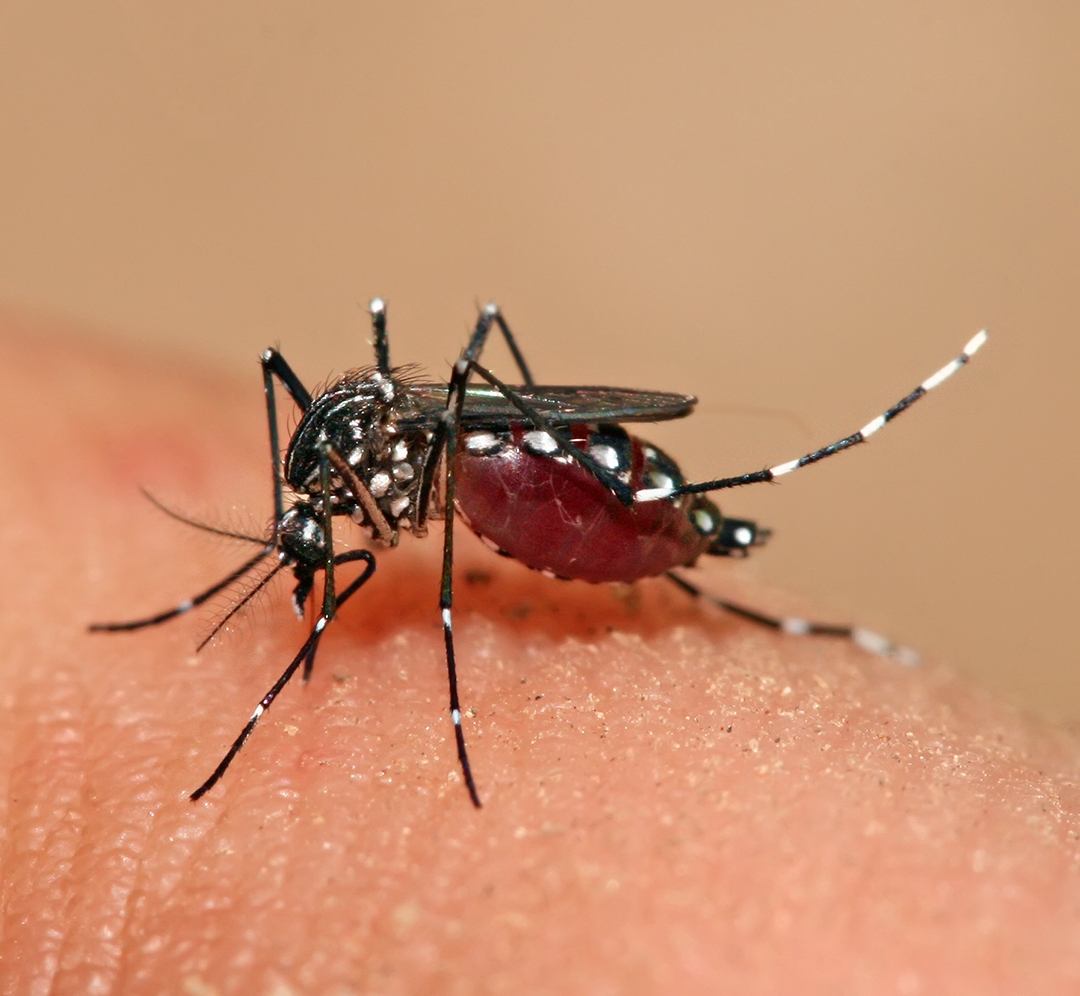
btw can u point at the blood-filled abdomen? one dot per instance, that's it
(533, 503)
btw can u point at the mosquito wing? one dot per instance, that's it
(486, 408)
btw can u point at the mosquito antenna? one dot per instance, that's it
(187, 521)
(185, 606)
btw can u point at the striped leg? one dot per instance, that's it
(451, 418)
(759, 476)
(306, 652)
(443, 449)
(187, 605)
(864, 638)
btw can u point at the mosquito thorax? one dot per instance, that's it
(368, 421)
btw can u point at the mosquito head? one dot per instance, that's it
(300, 534)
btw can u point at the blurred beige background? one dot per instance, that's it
(795, 212)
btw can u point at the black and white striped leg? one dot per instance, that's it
(459, 379)
(759, 476)
(793, 626)
(380, 343)
(326, 512)
(187, 605)
(446, 596)
(609, 480)
(491, 315)
(305, 652)
(331, 601)
(463, 369)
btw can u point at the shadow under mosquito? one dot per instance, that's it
(404, 593)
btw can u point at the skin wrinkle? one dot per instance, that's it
(675, 800)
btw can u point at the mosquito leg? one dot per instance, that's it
(274, 365)
(793, 626)
(455, 400)
(446, 439)
(759, 476)
(329, 606)
(612, 483)
(380, 342)
(305, 651)
(463, 369)
(187, 606)
(491, 315)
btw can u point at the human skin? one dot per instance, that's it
(675, 801)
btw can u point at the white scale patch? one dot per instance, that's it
(743, 536)
(653, 494)
(403, 472)
(606, 456)
(943, 374)
(871, 427)
(540, 443)
(400, 451)
(703, 521)
(398, 505)
(784, 468)
(482, 443)
(871, 641)
(380, 484)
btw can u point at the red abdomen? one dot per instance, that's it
(538, 506)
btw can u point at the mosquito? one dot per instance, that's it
(546, 475)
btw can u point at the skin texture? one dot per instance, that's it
(675, 800)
